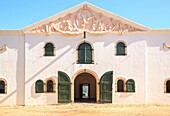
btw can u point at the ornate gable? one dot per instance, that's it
(85, 19)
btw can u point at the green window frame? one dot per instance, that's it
(50, 87)
(39, 86)
(2, 86)
(168, 86)
(85, 54)
(120, 86)
(121, 49)
(49, 49)
(130, 85)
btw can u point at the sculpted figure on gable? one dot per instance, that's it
(85, 19)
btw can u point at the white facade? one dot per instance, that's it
(23, 62)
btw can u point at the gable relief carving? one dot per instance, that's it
(3, 48)
(166, 46)
(85, 19)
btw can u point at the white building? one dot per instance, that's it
(84, 54)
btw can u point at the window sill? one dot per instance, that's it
(84, 63)
(50, 92)
(120, 55)
(3, 94)
(46, 93)
(48, 56)
(39, 93)
(126, 92)
(167, 94)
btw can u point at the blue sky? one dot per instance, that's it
(16, 14)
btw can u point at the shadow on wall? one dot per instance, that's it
(48, 98)
(15, 47)
(33, 94)
(47, 66)
(8, 96)
(20, 61)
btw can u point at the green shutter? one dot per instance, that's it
(64, 88)
(81, 56)
(121, 48)
(106, 87)
(130, 85)
(49, 49)
(84, 53)
(88, 56)
(39, 86)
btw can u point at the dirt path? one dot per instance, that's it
(85, 109)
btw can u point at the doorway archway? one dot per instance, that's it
(85, 86)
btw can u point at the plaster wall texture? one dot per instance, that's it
(41, 67)
(23, 64)
(157, 69)
(12, 68)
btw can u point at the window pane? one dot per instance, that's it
(39, 86)
(168, 87)
(50, 86)
(49, 49)
(120, 86)
(81, 56)
(121, 48)
(88, 56)
(84, 53)
(2, 87)
(130, 85)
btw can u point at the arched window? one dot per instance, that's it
(49, 49)
(120, 86)
(50, 87)
(85, 54)
(168, 86)
(130, 85)
(39, 86)
(2, 86)
(120, 48)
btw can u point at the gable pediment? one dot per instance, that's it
(85, 18)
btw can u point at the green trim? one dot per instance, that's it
(64, 88)
(106, 87)
(85, 54)
(121, 49)
(49, 49)
(39, 86)
(130, 85)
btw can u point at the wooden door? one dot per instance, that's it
(64, 88)
(106, 87)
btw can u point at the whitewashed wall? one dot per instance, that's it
(12, 67)
(158, 68)
(40, 67)
(146, 62)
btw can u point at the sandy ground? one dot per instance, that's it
(86, 109)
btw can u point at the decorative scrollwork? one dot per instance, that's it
(3, 48)
(85, 19)
(166, 46)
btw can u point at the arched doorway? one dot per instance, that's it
(85, 88)
(91, 73)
